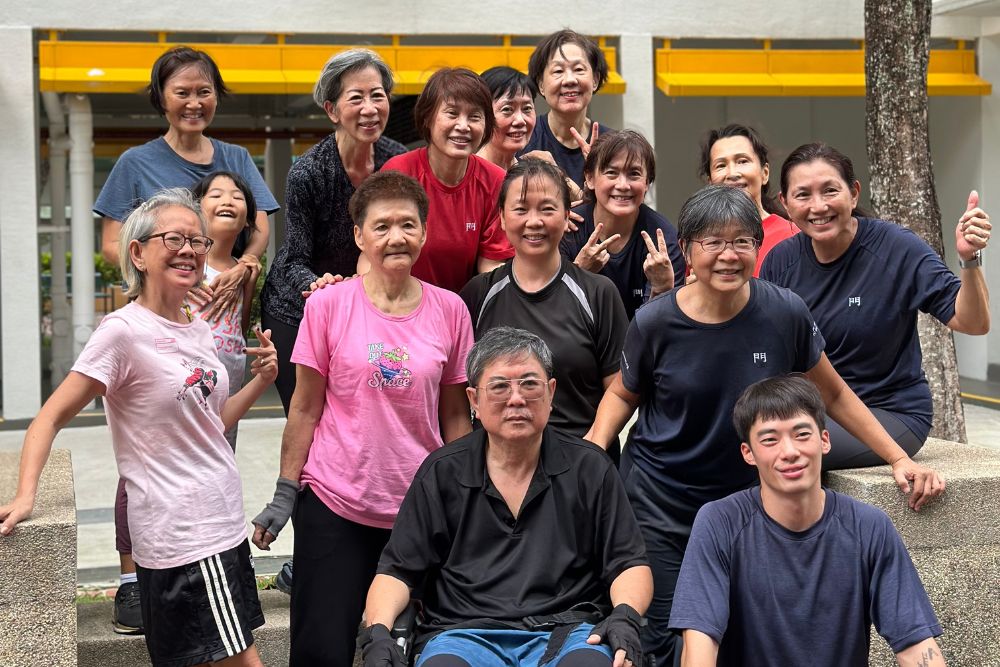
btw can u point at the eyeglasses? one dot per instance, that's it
(174, 241)
(500, 391)
(743, 245)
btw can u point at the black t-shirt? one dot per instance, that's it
(580, 317)
(866, 302)
(689, 375)
(574, 534)
(625, 267)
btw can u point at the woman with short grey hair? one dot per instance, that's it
(502, 343)
(166, 398)
(141, 224)
(353, 90)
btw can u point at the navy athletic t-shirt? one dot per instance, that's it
(625, 266)
(569, 159)
(689, 375)
(775, 597)
(865, 303)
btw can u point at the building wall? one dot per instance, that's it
(959, 127)
(779, 19)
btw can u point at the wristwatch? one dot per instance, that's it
(977, 260)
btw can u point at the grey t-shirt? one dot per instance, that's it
(141, 171)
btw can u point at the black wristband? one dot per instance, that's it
(373, 633)
(630, 614)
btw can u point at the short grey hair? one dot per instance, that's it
(504, 343)
(715, 207)
(141, 222)
(330, 83)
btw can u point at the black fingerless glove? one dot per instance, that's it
(620, 630)
(378, 648)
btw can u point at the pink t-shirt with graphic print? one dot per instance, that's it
(164, 392)
(383, 384)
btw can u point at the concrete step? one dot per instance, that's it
(38, 570)
(954, 543)
(99, 646)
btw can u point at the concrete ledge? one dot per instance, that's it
(100, 647)
(38, 570)
(966, 515)
(954, 543)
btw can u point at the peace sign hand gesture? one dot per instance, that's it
(586, 146)
(657, 266)
(594, 254)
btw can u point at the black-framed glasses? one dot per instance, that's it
(500, 391)
(174, 241)
(743, 245)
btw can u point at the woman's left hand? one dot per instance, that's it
(657, 266)
(973, 231)
(265, 366)
(921, 483)
(226, 290)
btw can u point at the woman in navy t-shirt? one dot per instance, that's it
(864, 281)
(568, 69)
(618, 236)
(687, 357)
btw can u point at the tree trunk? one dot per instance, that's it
(897, 43)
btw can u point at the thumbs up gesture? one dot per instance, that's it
(973, 230)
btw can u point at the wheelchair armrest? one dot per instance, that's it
(405, 625)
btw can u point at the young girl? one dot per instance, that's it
(228, 205)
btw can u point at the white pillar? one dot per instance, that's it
(637, 66)
(20, 313)
(81, 185)
(277, 162)
(989, 194)
(62, 340)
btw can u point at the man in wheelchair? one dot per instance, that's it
(519, 537)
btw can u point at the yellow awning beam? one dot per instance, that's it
(768, 72)
(271, 69)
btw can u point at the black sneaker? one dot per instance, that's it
(128, 612)
(284, 579)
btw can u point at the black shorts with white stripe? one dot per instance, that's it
(200, 612)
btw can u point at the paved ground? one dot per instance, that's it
(257, 455)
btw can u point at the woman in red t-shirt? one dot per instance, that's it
(454, 115)
(735, 155)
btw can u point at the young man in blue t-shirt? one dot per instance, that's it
(790, 573)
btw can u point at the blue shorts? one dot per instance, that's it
(499, 648)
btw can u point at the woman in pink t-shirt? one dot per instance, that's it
(454, 115)
(166, 397)
(380, 383)
(736, 155)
